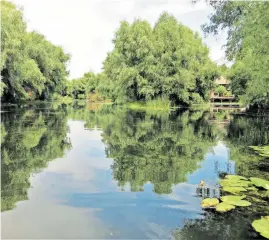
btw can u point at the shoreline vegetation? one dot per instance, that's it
(158, 67)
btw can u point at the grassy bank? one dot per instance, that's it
(152, 106)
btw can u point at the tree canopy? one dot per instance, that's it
(167, 61)
(80, 88)
(164, 61)
(247, 45)
(31, 66)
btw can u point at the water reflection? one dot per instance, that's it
(117, 173)
(31, 139)
(161, 150)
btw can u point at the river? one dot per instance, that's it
(92, 171)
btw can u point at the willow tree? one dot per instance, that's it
(167, 61)
(31, 66)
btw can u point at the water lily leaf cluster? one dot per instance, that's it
(262, 151)
(228, 203)
(236, 200)
(237, 185)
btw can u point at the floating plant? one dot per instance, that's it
(262, 226)
(254, 189)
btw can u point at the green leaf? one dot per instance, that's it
(260, 182)
(235, 177)
(234, 190)
(252, 189)
(262, 226)
(265, 234)
(234, 183)
(230, 198)
(209, 202)
(224, 207)
(242, 203)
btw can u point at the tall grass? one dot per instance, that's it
(159, 104)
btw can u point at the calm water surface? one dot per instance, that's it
(93, 171)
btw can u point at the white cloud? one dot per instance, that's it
(85, 28)
(86, 156)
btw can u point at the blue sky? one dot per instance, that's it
(85, 28)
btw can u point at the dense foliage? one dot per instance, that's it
(167, 61)
(81, 88)
(247, 45)
(31, 67)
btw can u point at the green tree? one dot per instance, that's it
(82, 87)
(247, 45)
(31, 67)
(167, 61)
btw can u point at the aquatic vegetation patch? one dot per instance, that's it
(235, 177)
(253, 189)
(262, 151)
(231, 199)
(234, 190)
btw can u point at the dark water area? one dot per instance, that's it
(92, 171)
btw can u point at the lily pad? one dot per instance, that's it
(257, 200)
(262, 226)
(234, 183)
(224, 207)
(252, 189)
(242, 203)
(263, 151)
(209, 202)
(234, 190)
(265, 234)
(231, 198)
(235, 177)
(259, 182)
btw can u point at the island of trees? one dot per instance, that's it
(167, 62)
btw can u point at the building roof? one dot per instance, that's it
(222, 81)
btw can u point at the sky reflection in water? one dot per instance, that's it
(76, 197)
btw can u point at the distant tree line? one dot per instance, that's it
(165, 61)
